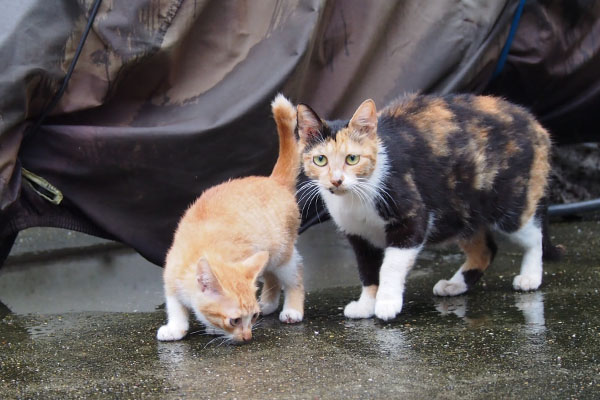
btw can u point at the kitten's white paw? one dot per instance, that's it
(268, 308)
(170, 332)
(360, 309)
(388, 309)
(290, 316)
(448, 288)
(527, 282)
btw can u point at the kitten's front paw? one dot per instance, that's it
(169, 333)
(388, 309)
(448, 288)
(358, 309)
(290, 316)
(268, 308)
(526, 282)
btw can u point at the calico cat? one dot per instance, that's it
(233, 234)
(430, 169)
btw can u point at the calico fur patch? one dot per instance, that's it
(432, 169)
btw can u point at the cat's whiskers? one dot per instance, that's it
(307, 187)
(308, 198)
(307, 191)
(378, 188)
(377, 192)
(212, 340)
(314, 195)
(201, 332)
(304, 185)
(225, 340)
(266, 291)
(258, 323)
(364, 198)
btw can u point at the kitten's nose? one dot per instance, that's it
(336, 182)
(247, 336)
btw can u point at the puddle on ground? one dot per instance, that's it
(59, 341)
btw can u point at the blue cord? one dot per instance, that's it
(509, 40)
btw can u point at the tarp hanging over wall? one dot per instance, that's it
(171, 97)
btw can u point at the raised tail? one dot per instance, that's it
(287, 166)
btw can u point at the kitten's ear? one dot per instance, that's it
(206, 279)
(254, 264)
(310, 126)
(364, 120)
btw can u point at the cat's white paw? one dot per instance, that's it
(527, 282)
(388, 309)
(268, 308)
(448, 288)
(360, 309)
(290, 316)
(170, 332)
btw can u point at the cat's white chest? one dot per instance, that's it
(356, 218)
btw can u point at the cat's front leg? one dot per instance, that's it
(396, 264)
(364, 307)
(369, 259)
(178, 321)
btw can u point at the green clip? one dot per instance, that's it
(42, 187)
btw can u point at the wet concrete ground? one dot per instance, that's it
(70, 329)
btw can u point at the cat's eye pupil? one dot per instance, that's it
(352, 159)
(254, 317)
(235, 321)
(320, 160)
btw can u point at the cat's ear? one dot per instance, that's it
(310, 126)
(254, 264)
(364, 120)
(206, 279)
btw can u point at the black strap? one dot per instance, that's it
(67, 77)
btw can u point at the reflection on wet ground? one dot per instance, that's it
(492, 342)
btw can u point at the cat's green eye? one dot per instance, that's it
(352, 159)
(235, 321)
(320, 160)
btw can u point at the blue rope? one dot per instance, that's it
(509, 40)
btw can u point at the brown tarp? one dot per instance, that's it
(171, 97)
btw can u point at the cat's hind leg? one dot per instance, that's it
(529, 237)
(178, 321)
(291, 278)
(369, 259)
(271, 291)
(480, 250)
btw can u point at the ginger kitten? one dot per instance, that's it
(431, 169)
(233, 234)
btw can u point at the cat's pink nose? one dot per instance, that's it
(247, 336)
(336, 183)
